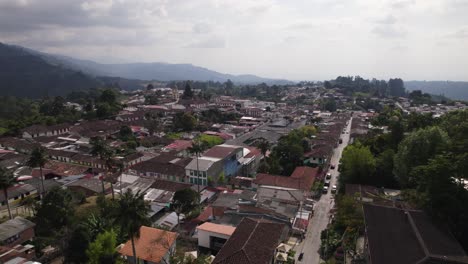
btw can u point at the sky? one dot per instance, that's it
(291, 39)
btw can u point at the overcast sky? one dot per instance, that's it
(298, 40)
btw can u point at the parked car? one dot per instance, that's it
(301, 256)
(326, 183)
(333, 189)
(328, 176)
(325, 189)
(332, 167)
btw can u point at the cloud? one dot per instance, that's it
(202, 28)
(388, 20)
(401, 4)
(389, 31)
(459, 34)
(211, 43)
(268, 33)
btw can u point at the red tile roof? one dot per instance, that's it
(254, 241)
(152, 245)
(302, 179)
(179, 145)
(220, 152)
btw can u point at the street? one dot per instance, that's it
(311, 244)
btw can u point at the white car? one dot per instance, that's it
(333, 190)
(325, 190)
(328, 176)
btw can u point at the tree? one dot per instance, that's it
(125, 133)
(132, 212)
(186, 199)
(77, 245)
(396, 87)
(358, 165)
(54, 212)
(415, 150)
(103, 249)
(329, 105)
(38, 158)
(108, 96)
(106, 154)
(184, 121)
(384, 170)
(30, 203)
(197, 148)
(6, 181)
(264, 146)
(188, 93)
(221, 179)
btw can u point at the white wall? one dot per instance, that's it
(204, 238)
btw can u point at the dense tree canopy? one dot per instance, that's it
(416, 149)
(358, 164)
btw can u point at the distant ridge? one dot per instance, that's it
(26, 74)
(163, 72)
(451, 89)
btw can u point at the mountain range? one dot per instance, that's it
(449, 89)
(29, 73)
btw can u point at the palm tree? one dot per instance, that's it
(108, 157)
(29, 203)
(197, 148)
(100, 150)
(132, 213)
(38, 158)
(264, 146)
(6, 181)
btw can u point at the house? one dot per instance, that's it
(41, 130)
(17, 193)
(179, 146)
(19, 145)
(88, 187)
(226, 160)
(302, 178)
(253, 241)
(395, 235)
(201, 169)
(17, 254)
(16, 231)
(229, 154)
(166, 166)
(319, 154)
(212, 237)
(252, 111)
(132, 159)
(154, 246)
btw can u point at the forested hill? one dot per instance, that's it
(26, 74)
(452, 90)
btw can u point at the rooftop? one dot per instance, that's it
(399, 236)
(14, 226)
(152, 245)
(217, 228)
(220, 151)
(253, 241)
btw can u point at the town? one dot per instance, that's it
(181, 172)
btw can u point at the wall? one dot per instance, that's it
(204, 238)
(24, 236)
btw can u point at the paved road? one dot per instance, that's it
(311, 244)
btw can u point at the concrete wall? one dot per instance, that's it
(204, 238)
